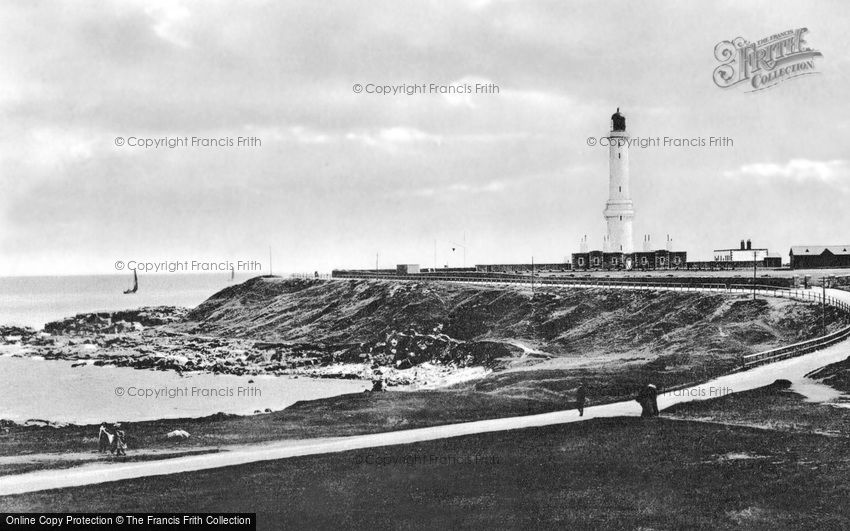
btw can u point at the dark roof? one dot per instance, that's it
(819, 249)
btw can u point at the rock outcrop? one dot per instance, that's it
(116, 322)
(17, 334)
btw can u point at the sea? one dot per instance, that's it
(58, 391)
(34, 301)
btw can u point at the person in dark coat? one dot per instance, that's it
(652, 393)
(119, 441)
(643, 399)
(581, 397)
(647, 397)
(104, 438)
(377, 382)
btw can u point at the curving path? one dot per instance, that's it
(793, 369)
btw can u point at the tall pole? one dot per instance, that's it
(823, 306)
(532, 277)
(754, 275)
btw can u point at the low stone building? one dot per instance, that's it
(660, 259)
(819, 256)
(642, 260)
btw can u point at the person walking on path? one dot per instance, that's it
(653, 399)
(581, 398)
(647, 397)
(104, 438)
(119, 443)
(643, 399)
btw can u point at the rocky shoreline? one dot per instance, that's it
(422, 335)
(143, 339)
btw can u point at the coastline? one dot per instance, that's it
(59, 392)
(244, 361)
(442, 362)
(151, 338)
(426, 377)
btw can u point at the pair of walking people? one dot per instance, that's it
(112, 438)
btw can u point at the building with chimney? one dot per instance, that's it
(744, 253)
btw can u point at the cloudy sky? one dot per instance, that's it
(341, 176)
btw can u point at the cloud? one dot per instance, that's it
(453, 191)
(394, 138)
(170, 21)
(75, 79)
(830, 172)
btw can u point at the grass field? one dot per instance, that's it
(775, 407)
(618, 473)
(331, 417)
(615, 473)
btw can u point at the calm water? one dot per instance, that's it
(34, 301)
(53, 390)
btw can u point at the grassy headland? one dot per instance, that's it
(539, 348)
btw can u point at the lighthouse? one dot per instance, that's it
(618, 251)
(619, 210)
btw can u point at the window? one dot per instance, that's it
(581, 261)
(613, 261)
(643, 260)
(621, 189)
(618, 155)
(596, 261)
(621, 218)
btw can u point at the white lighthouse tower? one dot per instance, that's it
(619, 210)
